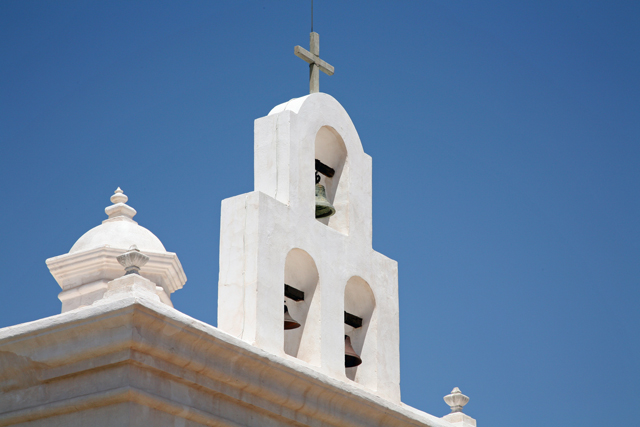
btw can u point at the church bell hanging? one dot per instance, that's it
(324, 208)
(289, 322)
(351, 358)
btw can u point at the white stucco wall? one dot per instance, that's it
(84, 273)
(130, 360)
(260, 229)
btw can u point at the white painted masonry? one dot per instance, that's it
(271, 236)
(129, 360)
(119, 354)
(91, 263)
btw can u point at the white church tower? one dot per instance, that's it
(271, 237)
(308, 331)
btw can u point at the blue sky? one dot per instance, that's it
(505, 145)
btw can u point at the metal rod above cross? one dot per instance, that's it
(315, 63)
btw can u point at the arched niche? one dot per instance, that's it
(331, 150)
(301, 273)
(360, 301)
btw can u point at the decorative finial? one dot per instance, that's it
(132, 260)
(456, 400)
(119, 209)
(119, 197)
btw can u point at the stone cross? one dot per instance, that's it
(315, 63)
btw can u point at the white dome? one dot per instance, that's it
(118, 234)
(119, 231)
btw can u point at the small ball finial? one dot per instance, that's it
(118, 196)
(456, 400)
(132, 260)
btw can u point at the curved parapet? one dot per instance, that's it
(287, 144)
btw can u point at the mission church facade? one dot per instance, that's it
(308, 331)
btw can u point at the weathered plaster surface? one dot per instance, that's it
(259, 230)
(459, 419)
(129, 360)
(83, 273)
(120, 355)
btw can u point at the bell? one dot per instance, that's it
(324, 208)
(351, 358)
(289, 322)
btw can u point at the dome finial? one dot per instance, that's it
(119, 209)
(119, 196)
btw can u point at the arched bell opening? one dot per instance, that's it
(361, 327)
(331, 152)
(301, 282)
